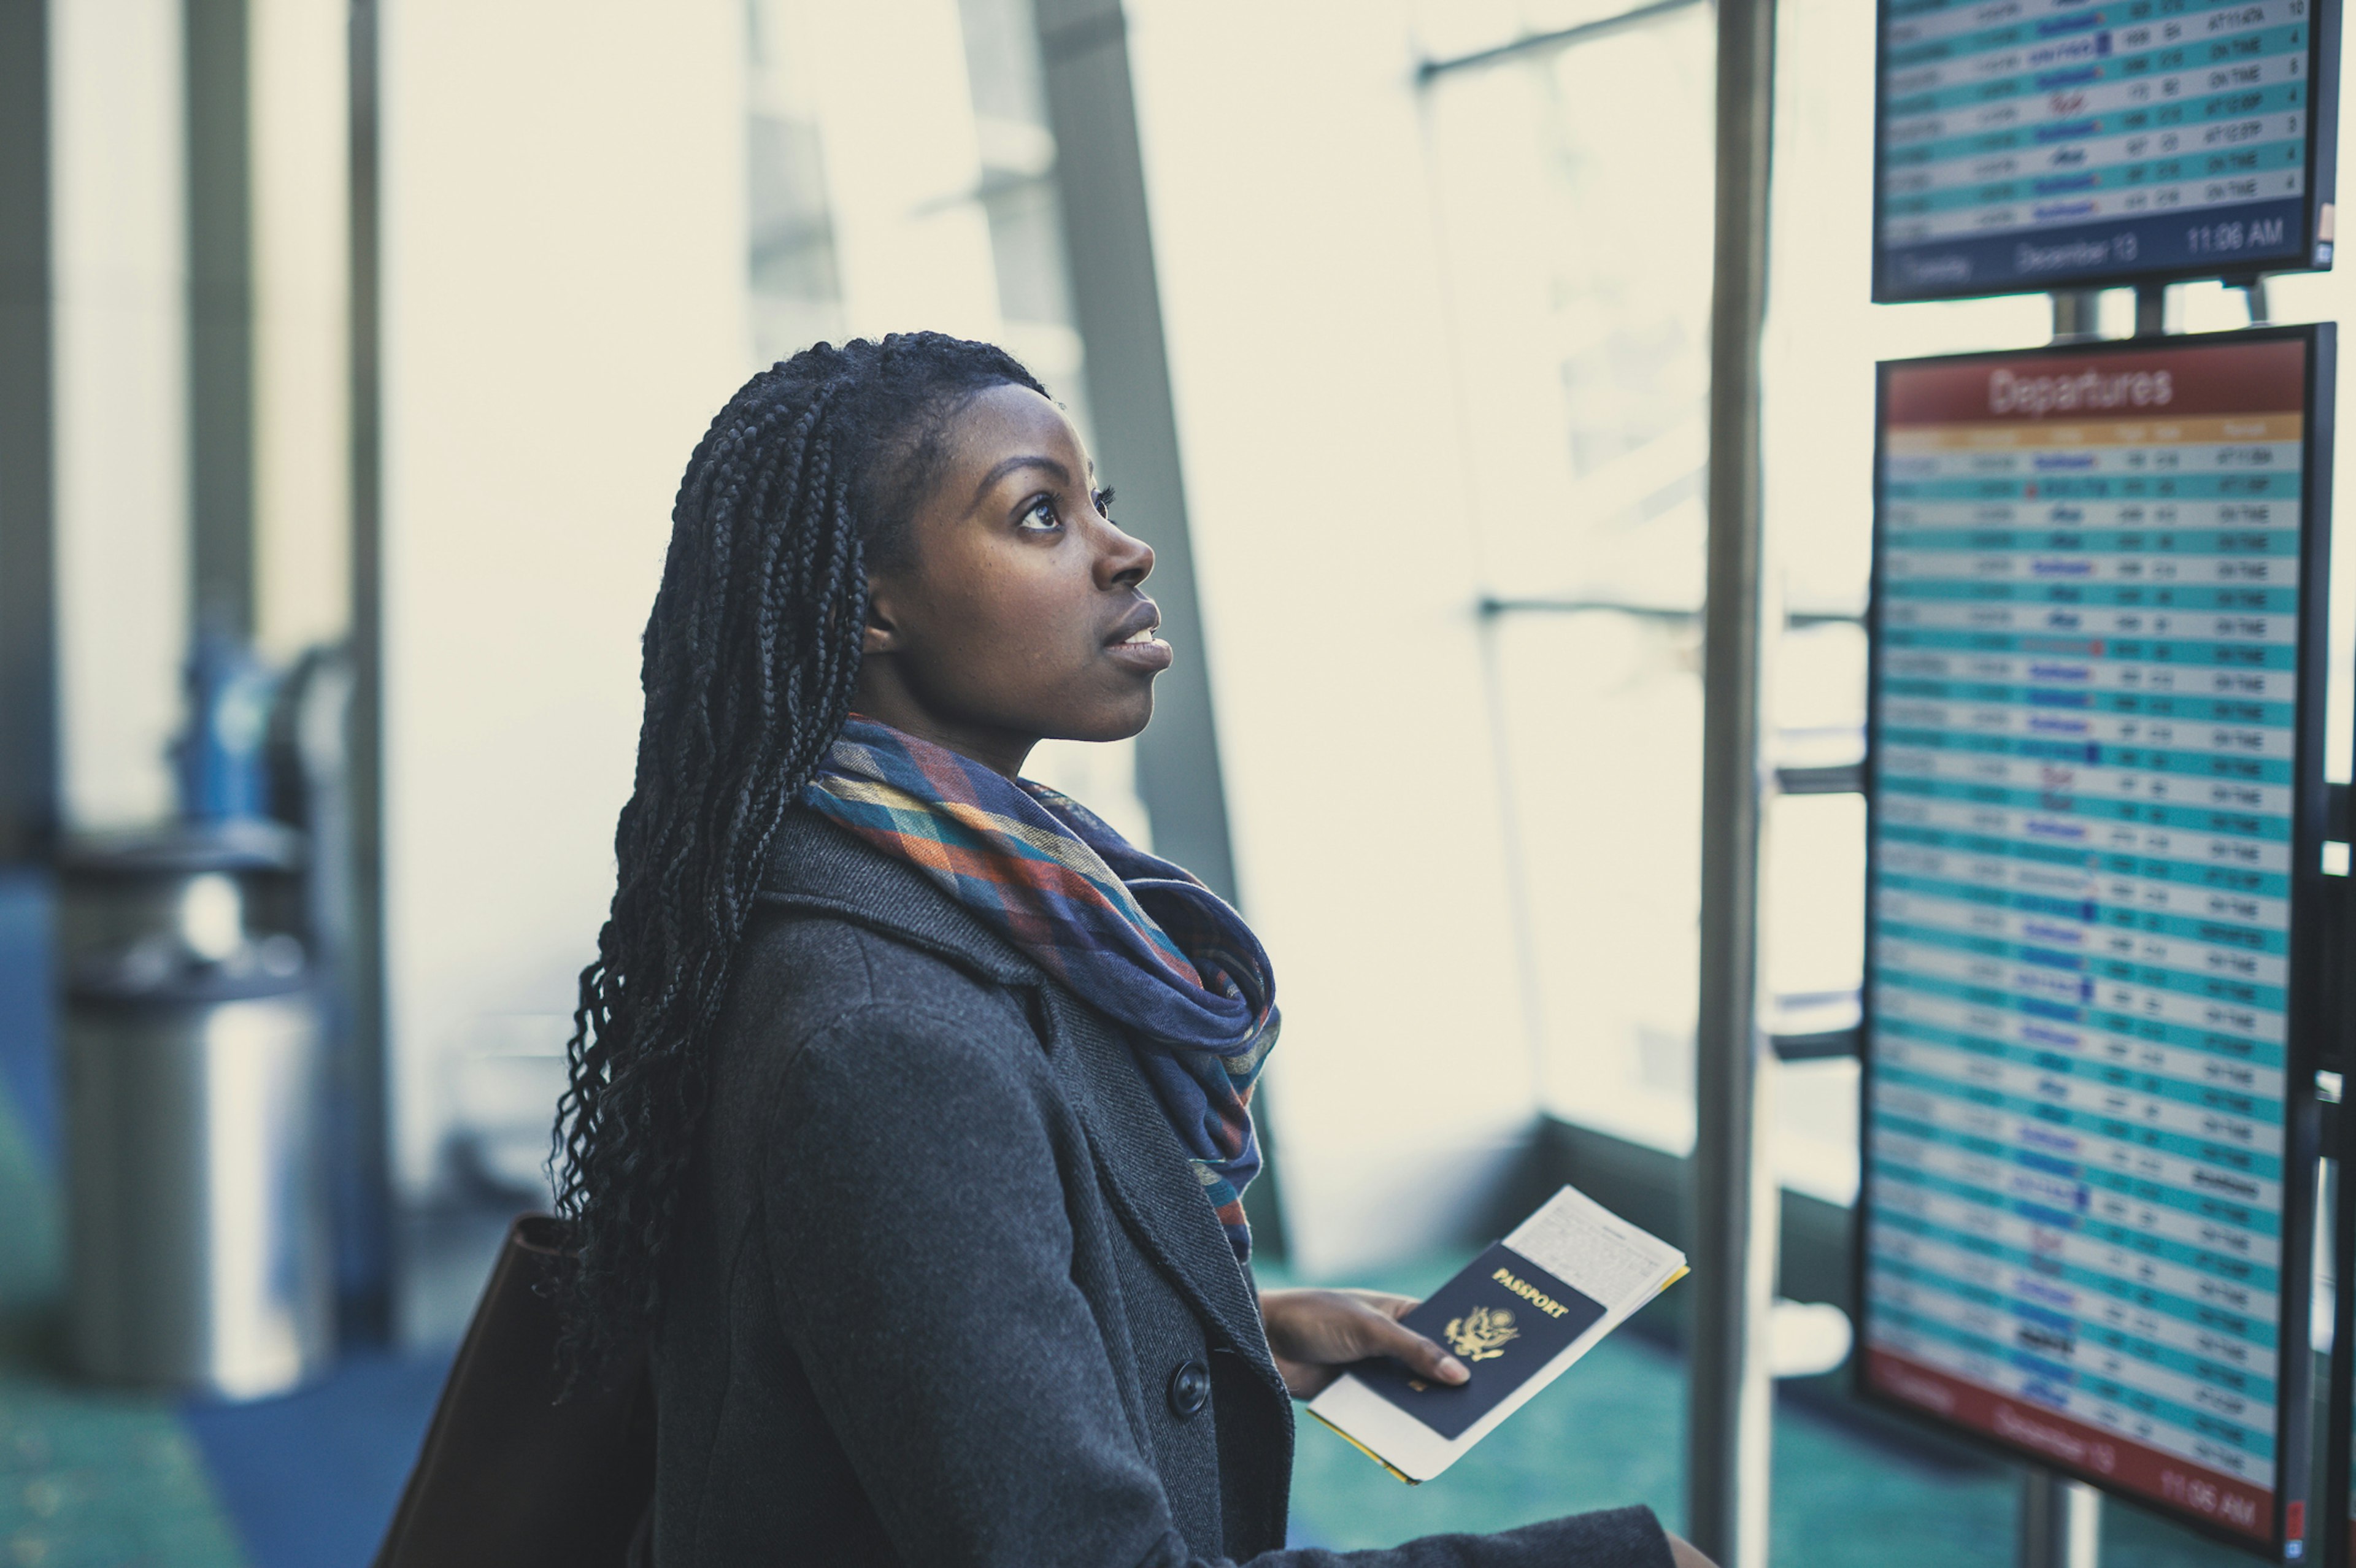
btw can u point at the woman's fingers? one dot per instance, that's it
(1392, 1338)
(1310, 1330)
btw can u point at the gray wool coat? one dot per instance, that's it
(945, 1292)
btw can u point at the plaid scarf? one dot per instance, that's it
(1137, 937)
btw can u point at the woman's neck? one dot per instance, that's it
(887, 700)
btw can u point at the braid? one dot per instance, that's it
(808, 478)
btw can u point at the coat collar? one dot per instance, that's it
(816, 866)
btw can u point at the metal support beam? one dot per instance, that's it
(1117, 305)
(1734, 1192)
(1539, 44)
(28, 616)
(2061, 1522)
(368, 1313)
(1100, 178)
(220, 317)
(2077, 315)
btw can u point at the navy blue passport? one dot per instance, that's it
(1505, 1318)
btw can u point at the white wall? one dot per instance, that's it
(564, 311)
(119, 248)
(1326, 488)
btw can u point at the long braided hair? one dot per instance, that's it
(805, 480)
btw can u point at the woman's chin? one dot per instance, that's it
(1123, 721)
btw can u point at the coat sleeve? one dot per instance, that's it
(922, 1269)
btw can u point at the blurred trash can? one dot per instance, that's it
(212, 884)
(197, 1211)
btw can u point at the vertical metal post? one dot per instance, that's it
(220, 317)
(369, 1315)
(1734, 1190)
(2332, 1504)
(2077, 315)
(1117, 303)
(1117, 300)
(2061, 1522)
(28, 611)
(2156, 311)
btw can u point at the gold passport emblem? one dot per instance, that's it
(1481, 1334)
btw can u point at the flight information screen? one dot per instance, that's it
(2036, 144)
(2096, 814)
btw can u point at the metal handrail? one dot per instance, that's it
(1542, 43)
(1492, 604)
(1820, 1045)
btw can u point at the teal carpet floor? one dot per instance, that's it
(87, 1479)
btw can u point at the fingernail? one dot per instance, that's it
(1452, 1370)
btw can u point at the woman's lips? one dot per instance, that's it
(1142, 650)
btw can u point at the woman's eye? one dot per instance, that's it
(1042, 518)
(1103, 499)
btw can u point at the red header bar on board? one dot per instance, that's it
(2181, 381)
(2033, 1429)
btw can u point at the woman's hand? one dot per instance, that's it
(1315, 1333)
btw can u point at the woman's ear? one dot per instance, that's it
(883, 636)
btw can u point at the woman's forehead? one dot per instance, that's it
(1010, 421)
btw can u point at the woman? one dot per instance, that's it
(907, 1110)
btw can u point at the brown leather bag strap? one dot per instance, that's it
(508, 1478)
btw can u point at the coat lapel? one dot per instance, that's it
(1151, 1178)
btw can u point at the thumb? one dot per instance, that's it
(1420, 1355)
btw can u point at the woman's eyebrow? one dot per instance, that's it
(1063, 475)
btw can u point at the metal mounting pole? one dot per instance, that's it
(1117, 305)
(370, 1307)
(1735, 1208)
(2077, 314)
(2061, 1522)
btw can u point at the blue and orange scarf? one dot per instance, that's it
(1137, 937)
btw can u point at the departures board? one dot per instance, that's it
(2024, 146)
(2096, 801)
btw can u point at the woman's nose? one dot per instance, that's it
(1124, 560)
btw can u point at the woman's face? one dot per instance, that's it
(1016, 614)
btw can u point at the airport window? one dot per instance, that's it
(836, 196)
(796, 290)
(1580, 281)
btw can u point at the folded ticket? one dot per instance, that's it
(1517, 1318)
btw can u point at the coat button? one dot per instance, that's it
(1190, 1389)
